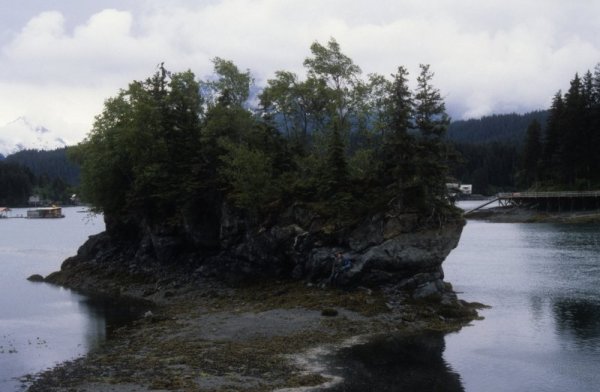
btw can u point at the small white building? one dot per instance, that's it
(466, 189)
(34, 200)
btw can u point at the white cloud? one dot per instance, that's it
(492, 56)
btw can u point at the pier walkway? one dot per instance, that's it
(548, 201)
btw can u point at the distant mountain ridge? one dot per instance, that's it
(22, 134)
(510, 128)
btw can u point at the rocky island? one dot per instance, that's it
(204, 333)
(228, 222)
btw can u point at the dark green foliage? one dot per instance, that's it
(503, 128)
(489, 167)
(335, 171)
(398, 168)
(432, 154)
(141, 154)
(572, 139)
(531, 159)
(54, 191)
(552, 142)
(53, 164)
(16, 184)
(558, 151)
(339, 145)
(40, 173)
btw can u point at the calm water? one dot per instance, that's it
(42, 325)
(541, 334)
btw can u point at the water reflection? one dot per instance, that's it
(108, 314)
(396, 363)
(579, 319)
(543, 330)
(564, 262)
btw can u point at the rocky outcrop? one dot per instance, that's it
(397, 247)
(35, 278)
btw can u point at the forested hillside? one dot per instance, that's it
(16, 184)
(551, 149)
(489, 150)
(47, 174)
(489, 167)
(503, 128)
(565, 154)
(51, 164)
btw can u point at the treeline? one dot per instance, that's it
(50, 175)
(489, 167)
(18, 183)
(565, 156)
(489, 150)
(498, 128)
(556, 150)
(51, 164)
(339, 143)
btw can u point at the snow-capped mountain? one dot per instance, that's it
(22, 134)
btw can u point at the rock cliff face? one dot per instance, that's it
(395, 247)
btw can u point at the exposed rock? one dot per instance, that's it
(396, 247)
(36, 278)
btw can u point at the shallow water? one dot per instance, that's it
(541, 334)
(42, 325)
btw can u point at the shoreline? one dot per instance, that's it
(205, 335)
(523, 215)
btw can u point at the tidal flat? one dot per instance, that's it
(212, 337)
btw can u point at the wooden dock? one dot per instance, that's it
(548, 201)
(553, 201)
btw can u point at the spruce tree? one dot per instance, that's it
(335, 173)
(432, 121)
(574, 163)
(398, 150)
(532, 154)
(552, 154)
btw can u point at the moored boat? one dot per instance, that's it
(45, 212)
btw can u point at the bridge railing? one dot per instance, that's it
(524, 195)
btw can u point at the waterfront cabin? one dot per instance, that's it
(46, 212)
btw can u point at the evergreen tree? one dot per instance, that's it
(432, 121)
(552, 154)
(531, 155)
(16, 184)
(574, 164)
(335, 172)
(398, 149)
(171, 148)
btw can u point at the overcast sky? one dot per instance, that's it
(60, 59)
